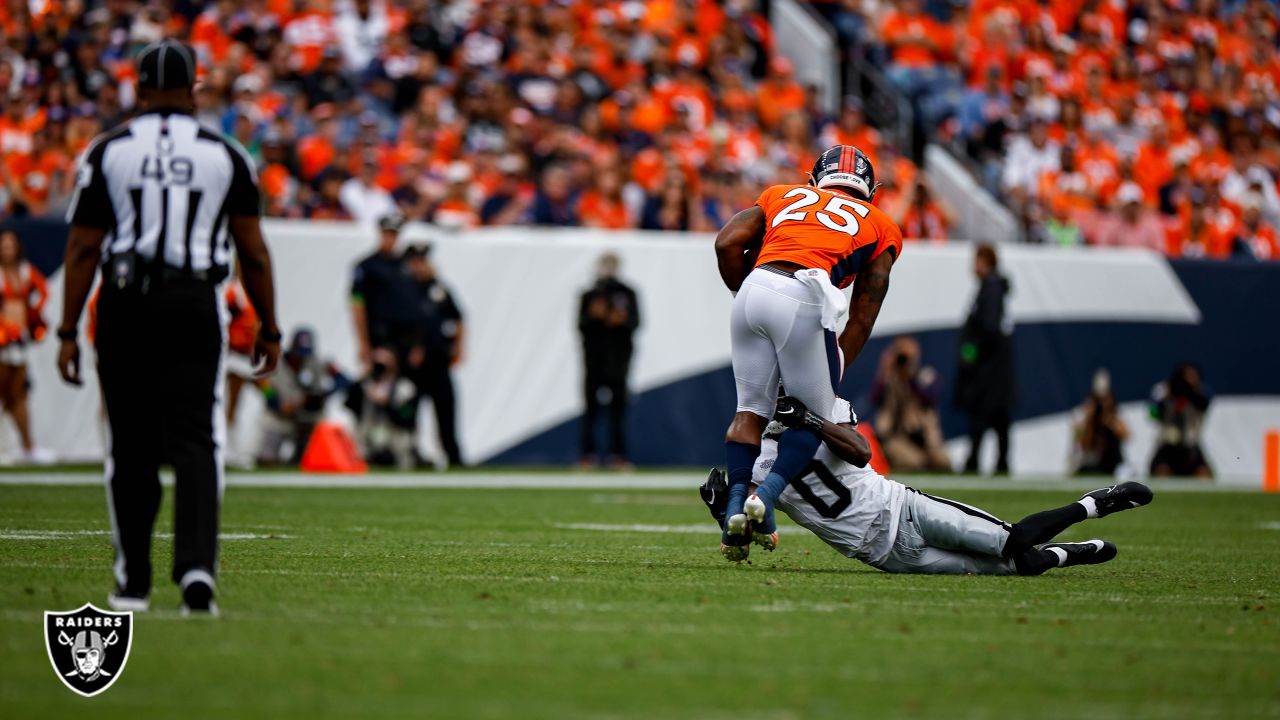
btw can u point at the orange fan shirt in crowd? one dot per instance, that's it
(16, 135)
(916, 40)
(1099, 163)
(309, 34)
(37, 173)
(315, 152)
(693, 97)
(743, 145)
(275, 179)
(1153, 168)
(824, 229)
(1205, 242)
(456, 213)
(208, 36)
(1069, 190)
(1263, 243)
(925, 223)
(596, 210)
(777, 98)
(25, 288)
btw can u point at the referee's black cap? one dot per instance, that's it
(167, 65)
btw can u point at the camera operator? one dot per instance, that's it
(385, 404)
(906, 398)
(1180, 404)
(295, 399)
(1100, 433)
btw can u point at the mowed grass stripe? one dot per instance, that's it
(459, 603)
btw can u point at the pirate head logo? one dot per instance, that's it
(88, 647)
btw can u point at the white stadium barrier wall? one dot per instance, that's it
(518, 385)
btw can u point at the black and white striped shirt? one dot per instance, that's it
(163, 186)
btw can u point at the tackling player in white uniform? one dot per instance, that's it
(866, 516)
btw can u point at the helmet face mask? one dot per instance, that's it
(845, 167)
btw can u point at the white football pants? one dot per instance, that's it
(944, 537)
(777, 337)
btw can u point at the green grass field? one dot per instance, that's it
(392, 603)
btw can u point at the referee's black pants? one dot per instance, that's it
(159, 364)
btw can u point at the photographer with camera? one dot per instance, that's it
(385, 404)
(906, 398)
(295, 399)
(1179, 404)
(1100, 433)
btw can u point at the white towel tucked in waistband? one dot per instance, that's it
(834, 306)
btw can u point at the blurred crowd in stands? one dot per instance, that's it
(1153, 123)
(667, 114)
(1108, 122)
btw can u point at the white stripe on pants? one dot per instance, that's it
(777, 336)
(943, 537)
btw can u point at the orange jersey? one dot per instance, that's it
(824, 229)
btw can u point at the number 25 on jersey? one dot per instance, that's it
(837, 209)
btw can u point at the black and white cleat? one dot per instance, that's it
(197, 599)
(1122, 496)
(1089, 552)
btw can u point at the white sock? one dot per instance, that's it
(1090, 506)
(1062, 555)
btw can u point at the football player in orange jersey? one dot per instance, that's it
(787, 257)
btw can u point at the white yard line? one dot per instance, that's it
(593, 481)
(11, 534)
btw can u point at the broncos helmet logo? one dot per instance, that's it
(845, 167)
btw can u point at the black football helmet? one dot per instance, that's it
(846, 167)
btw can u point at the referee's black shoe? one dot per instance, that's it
(1122, 496)
(197, 599)
(127, 602)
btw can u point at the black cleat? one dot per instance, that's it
(121, 601)
(1089, 552)
(1122, 496)
(715, 494)
(197, 598)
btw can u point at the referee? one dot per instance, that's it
(169, 198)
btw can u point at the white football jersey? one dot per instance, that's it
(854, 510)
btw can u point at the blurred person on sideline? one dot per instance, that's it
(383, 299)
(438, 346)
(385, 405)
(906, 399)
(295, 399)
(1179, 404)
(241, 333)
(23, 293)
(985, 382)
(608, 316)
(1100, 433)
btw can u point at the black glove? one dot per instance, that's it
(793, 414)
(715, 493)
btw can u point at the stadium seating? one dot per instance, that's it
(1088, 118)
(1138, 123)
